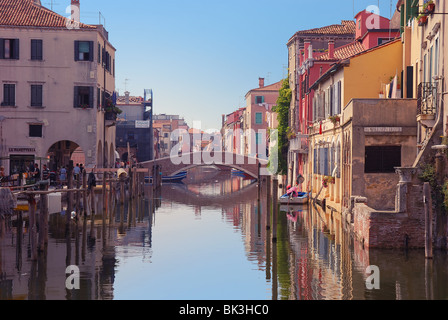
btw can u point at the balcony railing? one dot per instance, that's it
(427, 98)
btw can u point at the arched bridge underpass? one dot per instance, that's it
(173, 165)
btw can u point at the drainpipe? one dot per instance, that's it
(104, 115)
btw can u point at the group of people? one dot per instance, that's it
(77, 173)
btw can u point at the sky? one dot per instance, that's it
(201, 57)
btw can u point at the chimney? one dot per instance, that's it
(301, 57)
(261, 82)
(126, 97)
(307, 50)
(331, 49)
(75, 10)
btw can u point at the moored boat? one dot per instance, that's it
(301, 198)
(170, 179)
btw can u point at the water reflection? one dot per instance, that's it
(208, 238)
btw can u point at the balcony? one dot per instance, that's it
(427, 103)
(299, 144)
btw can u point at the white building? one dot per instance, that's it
(56, 80)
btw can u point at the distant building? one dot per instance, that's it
(257, 117)
(169, 129)
(134, 130)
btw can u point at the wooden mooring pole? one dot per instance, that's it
(268, 203)
(33, 226)
(427, 200)
(274, 209)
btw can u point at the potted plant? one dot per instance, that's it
(422, 19)
(429, 7)
(328, 180)
(111, 108)
(334, 119)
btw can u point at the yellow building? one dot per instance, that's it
(357, 146)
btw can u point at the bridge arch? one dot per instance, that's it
(173, 165)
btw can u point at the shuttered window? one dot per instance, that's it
(83, 50)
(9, 95)
(9, 49)
(258, 118)
(83, 97)
(36, 95)
(36, 49)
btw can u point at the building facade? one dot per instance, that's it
(57, 102)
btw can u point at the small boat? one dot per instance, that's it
(170, 179)
(301, 198)
(240, 173)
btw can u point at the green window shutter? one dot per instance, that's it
(415, 9)
(258, 118)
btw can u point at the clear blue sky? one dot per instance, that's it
(201, 57)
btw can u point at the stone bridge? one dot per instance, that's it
(173, 165)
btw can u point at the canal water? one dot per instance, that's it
(206, 239)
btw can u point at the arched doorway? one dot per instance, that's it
(61, 152)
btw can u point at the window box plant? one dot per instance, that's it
(334, 119)
(429, 7)
(422, 19)
(327, 180)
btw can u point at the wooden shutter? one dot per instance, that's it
(11, 94)
(14, 48)
(90, 50)
(76, 50)
(2, 48)
(339, 101)
(76, 97)
(99, 53)
(91, 96)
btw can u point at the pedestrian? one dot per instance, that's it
(36, 172)
(91, 181)
(45, 173)
(76, 172)
(62, 176)
(2, 174)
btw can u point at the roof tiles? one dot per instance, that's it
(343, 52)
(26, 13)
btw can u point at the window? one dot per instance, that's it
(99, 53)
(258, 138)
(83, 97)
(9, 95)
(9, 49)
(35, 131)
(383, 40)
(382, 159)
(258, 118)
(36, 95)
(36, 49)
(259, 99)
(83, 50)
